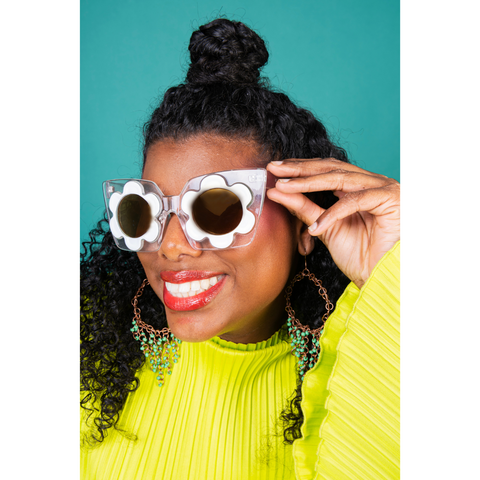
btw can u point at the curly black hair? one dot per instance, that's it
(224, 95)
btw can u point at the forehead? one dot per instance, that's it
(170, 164)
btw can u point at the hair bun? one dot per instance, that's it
(226, 51)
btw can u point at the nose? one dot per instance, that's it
(174, 244)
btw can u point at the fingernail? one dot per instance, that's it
(312, 227)
(277, 162)
(284, 180)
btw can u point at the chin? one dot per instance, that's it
(190, 328)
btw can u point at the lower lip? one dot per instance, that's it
(191, 303)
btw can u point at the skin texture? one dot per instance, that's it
(360, 228)
(250, 306)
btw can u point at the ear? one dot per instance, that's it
(306, 242)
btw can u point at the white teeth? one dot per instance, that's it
(172, 287)
(190, 289)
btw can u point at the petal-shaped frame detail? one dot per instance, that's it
(135, 188)
(218, 241)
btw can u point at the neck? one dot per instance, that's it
(274, 316)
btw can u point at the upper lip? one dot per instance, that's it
(183, 276)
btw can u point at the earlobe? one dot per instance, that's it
(306, 242)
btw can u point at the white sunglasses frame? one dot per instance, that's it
(249, 185)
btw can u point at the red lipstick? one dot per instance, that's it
(189, 303)
(182, 276)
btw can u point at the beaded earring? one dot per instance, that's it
(305, 342)
(160, 347)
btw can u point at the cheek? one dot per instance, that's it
(151, 269)
(274, 247)
(277, 226)
(145, 260)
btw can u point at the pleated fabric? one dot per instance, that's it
(352, 396)
(216, 417)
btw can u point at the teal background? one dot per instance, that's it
(340, 59)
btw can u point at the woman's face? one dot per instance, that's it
(247, 303)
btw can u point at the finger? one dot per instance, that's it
(334, 180)
(309, 167)
(297, 204)
(378, 202)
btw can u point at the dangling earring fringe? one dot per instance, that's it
(305, 342)
(160, 347)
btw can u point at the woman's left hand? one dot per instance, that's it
(360, 227)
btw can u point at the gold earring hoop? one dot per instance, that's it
(305, 341)
(160, 347)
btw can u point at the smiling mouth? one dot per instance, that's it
(199, 289)
(190, 289)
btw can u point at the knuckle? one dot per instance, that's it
(394, 187)
(352, 198)
(336, 161)
(304, 203)
(306, 209)
(298, 168)
(312, 210)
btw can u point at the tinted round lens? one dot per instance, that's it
(217, 211)
(134, 215)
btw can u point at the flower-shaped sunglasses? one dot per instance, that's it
(216, 211)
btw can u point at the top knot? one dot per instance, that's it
(226, 51)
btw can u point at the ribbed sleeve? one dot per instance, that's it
(351, 397)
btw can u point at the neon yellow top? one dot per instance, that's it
(217, 415)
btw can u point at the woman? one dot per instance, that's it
(202, 383)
